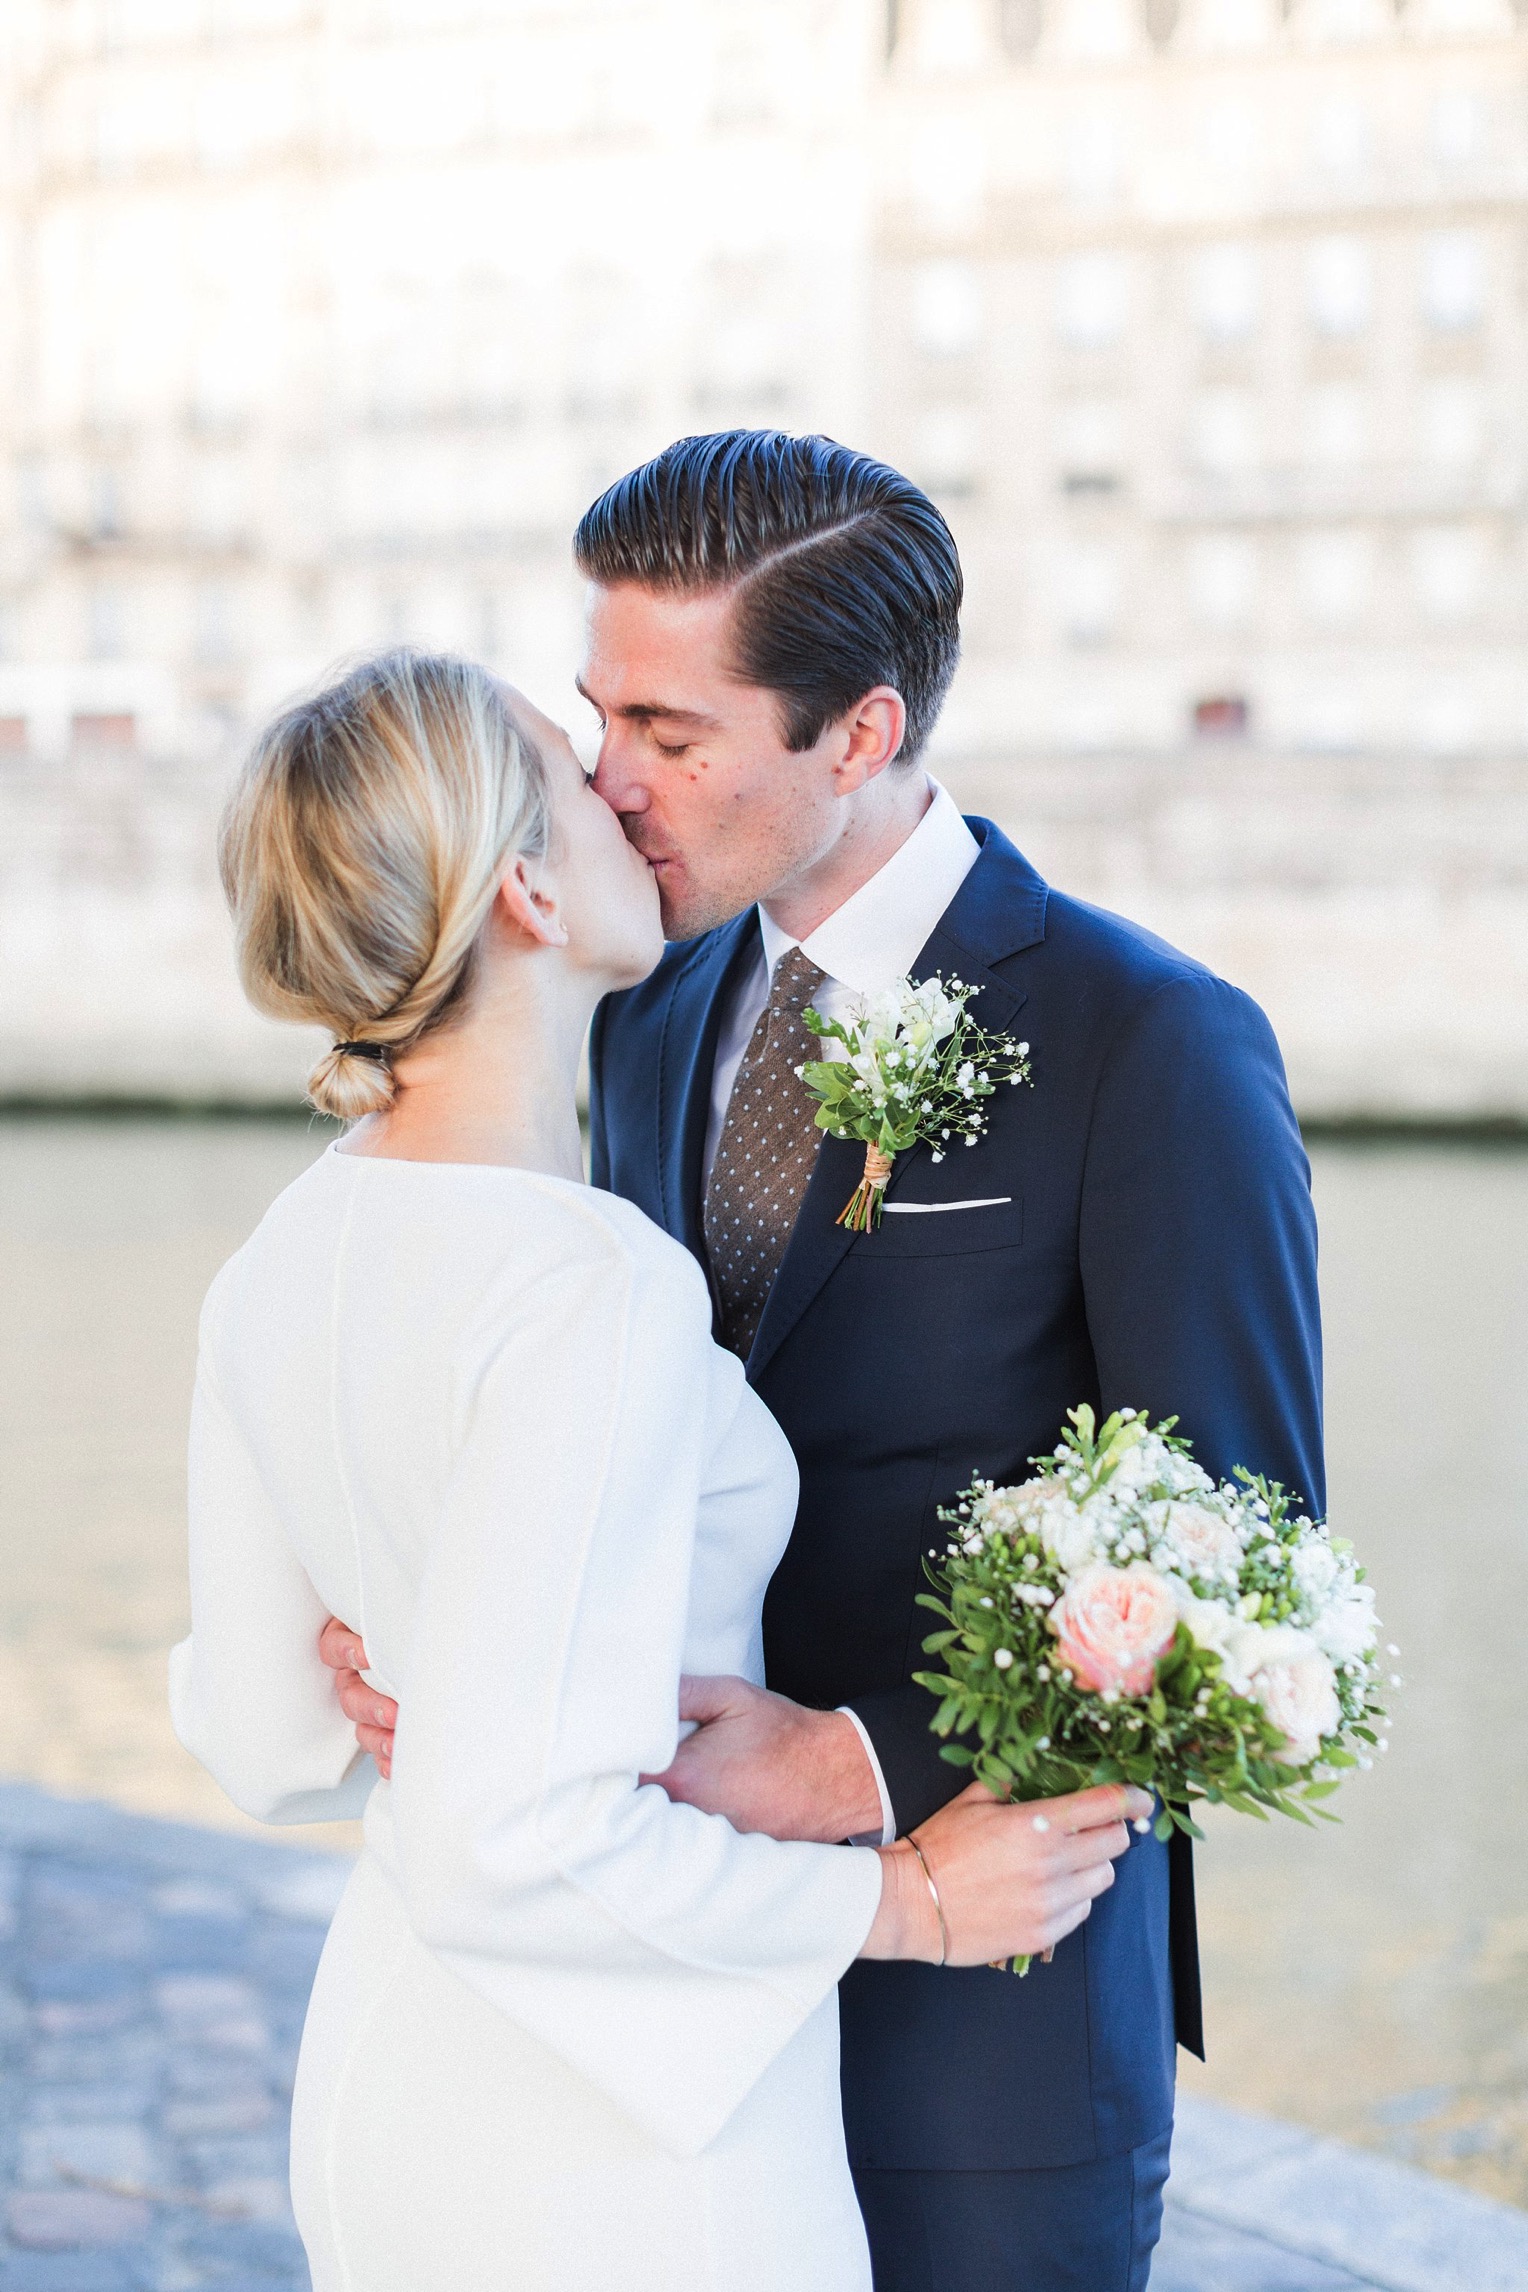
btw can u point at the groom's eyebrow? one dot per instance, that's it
(640, 711)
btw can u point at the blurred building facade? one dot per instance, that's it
(1205, 320)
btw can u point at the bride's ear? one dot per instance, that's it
(528, 906)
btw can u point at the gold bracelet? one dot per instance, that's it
(944, 1931)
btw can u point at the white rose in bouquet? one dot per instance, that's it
(1347, 1629)
(1296, 1686)
(1196, 1541)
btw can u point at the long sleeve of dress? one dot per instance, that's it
(668, 1958)
(249, 1695)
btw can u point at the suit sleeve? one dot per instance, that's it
(1197, 1239)
(1197, 1252)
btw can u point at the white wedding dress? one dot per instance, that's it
(565, 2034)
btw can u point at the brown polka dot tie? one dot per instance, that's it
(765, 1154)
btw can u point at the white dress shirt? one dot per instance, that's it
(870, 942)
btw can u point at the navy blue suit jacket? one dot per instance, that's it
(1157, 1249)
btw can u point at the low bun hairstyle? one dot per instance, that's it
(361, 851)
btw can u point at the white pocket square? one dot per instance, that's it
(927, 1209)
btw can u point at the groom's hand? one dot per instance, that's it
(771, 1765)
(373, 1714)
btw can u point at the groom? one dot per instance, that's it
(773, 626)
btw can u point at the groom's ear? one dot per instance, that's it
(528, 907)
(870, 738)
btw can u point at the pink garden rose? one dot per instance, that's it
(1112, 1624)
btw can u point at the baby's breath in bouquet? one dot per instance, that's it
(1122, 1618)
(914, 1071)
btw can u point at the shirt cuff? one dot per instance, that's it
(888, 1830)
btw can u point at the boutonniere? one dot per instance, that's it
(914, 1072)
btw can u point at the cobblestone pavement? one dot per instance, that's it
(153, 1978)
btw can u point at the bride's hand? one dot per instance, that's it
(373, 1714)
(1013, 1880)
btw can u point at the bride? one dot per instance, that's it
(565, 2032)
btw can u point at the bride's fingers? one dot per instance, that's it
(1094, 1809)
(1086, 1847)
(366, 1706)
(379, 1742)
(341, 1648)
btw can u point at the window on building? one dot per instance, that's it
(1093, 160)
(1457, 128)
(99, 730)
(1161, 20)
(105, 623)
(1020, 24)
(215, 622)
(946, 450)
(1092, 587)
(946, 308)
(1453, 281)
(1222, 580)
(948, 174)
(1225, 291)
(1092, 300)
(1224, 432)
(1447, 572)
(1336, 572)
(1340, 136)
(1090, 445)
(1339, 426)
(1222, 716)
(1339, 286)
(1452, 422)
(952, 35)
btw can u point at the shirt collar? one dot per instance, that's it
(878, 933)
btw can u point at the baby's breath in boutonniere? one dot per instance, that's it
(914, 1072)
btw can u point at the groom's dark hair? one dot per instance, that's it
(844, 572)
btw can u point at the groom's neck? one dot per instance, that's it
(877, 823)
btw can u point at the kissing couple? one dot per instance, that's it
(675, 1960)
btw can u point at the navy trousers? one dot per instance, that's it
(1066, 2228)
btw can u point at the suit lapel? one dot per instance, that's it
(686, 1057)
(998, 910)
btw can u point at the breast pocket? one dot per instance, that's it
(911, 1228)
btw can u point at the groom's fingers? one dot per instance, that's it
(704, 1700)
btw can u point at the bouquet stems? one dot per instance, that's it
(864, 1209)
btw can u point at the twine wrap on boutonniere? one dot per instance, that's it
(914, 1072)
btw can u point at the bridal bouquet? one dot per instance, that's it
(1121, 1617)
(915, 1070)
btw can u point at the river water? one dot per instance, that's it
(1371, 1980)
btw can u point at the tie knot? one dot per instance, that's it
(796, 980)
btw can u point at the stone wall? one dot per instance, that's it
(1378, 910)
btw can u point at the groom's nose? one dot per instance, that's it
(615, 775)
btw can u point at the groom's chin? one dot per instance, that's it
(686, 912)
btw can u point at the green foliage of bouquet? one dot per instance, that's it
(915, 1071)
(1122, 1618)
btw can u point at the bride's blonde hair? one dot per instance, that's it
(361, 851)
